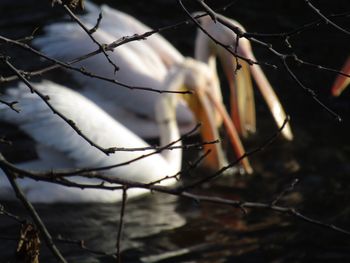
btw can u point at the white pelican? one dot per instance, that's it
(341, 82)
(59, 146)
(147, 62)
(142, 63)
(242, 96)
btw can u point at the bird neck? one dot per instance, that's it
(166, 118)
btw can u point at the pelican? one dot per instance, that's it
(341, 82)
(142, 63)
(67, 41)
(60, 147)
(240, 83)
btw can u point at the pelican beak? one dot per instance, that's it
(205, 106)
(341, 82)
(242, 96)
(241, 93)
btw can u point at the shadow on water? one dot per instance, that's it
(161, 228)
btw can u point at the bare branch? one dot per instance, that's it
(121, 223)
(78, 21)
(11, 105)
(285, 191)
(10, 215)
(68, 66)
(283, 57)
(227, 47)
(280, 209)
(311, 92)
(180, 191)
(98, 21)
(328, 21)
(90, 172)
(82, 244)
(36, 218)
(46, 99)
(268, 142)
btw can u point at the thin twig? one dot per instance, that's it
(320, 67)
(311, 92)
(285, 191)
(227, 47)
(328, 21)
(96, 26)
(68, 65)
(239, 33)
(11, 105)
(101, 47)
(284, 210)
(81, 244)
(121, 223)
(54, 110)
(36, 218)
(91, 172)
(10, 215)
(198, 145)
(179, 191)
(261, 147)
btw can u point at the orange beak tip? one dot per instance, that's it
(248, 170)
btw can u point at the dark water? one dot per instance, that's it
(160, 228)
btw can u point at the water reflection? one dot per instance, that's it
(97, 225)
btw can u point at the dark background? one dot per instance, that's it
(319, 156)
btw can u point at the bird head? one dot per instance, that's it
(199, 79)
(238, 65)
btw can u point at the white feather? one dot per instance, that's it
(56, 138)
(142, 63)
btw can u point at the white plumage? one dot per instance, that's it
(59, 146)
(142, 63)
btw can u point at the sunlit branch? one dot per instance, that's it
(68, 65)
(92, 172)
(81, 24)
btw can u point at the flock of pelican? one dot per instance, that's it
(116, 116)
